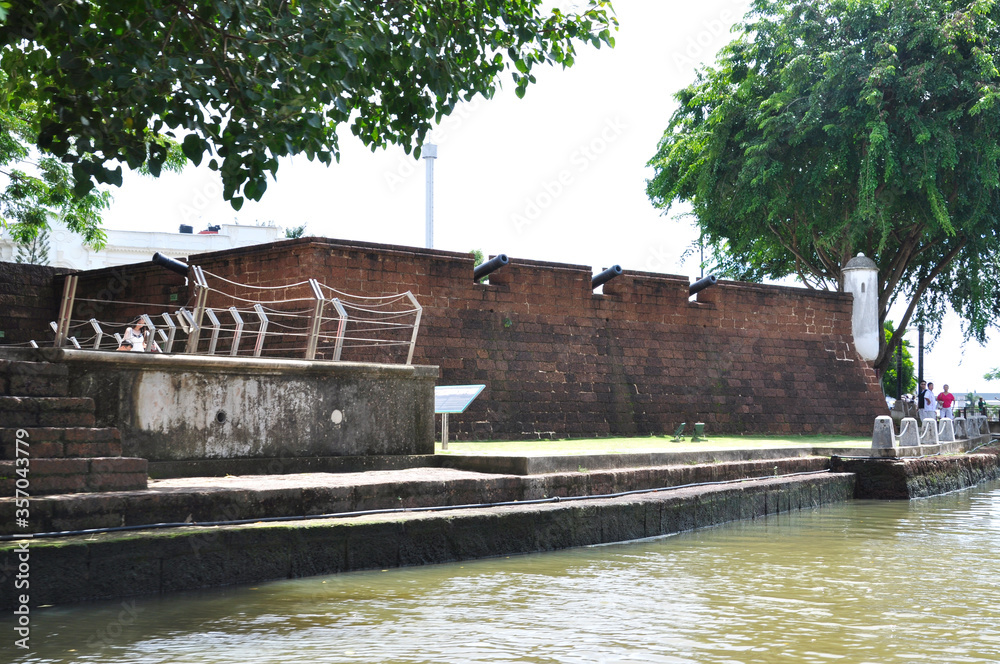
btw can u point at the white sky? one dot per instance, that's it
(557, 176)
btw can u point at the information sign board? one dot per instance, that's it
(455, 398)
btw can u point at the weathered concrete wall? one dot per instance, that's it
(115, 565)
(902, 479)
(181, 407)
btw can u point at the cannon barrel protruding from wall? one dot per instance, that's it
(171, 264)
(702, 284)
(605, 276)
(491, 265)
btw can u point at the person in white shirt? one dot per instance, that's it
(928, 403)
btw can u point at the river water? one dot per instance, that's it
(867, 581)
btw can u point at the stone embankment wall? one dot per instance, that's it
(902, 479)
(108, 565)
(558, 359)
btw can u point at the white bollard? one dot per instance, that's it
(909, 433)
(929, 434)
(959, 424)
(883, 435)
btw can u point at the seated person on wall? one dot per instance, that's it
(125, 345)
(136, 335)
(133, 335)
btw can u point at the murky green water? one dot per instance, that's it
(878, 582)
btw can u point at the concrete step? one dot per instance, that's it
(152, 562)
(46, 412)
(56, 476)
(60, 442)
(33, 379)
(205, 499)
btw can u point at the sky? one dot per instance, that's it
(557, 176)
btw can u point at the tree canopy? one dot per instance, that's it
(41, 188)
(244, 82)
(832, 127)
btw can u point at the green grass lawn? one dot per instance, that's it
(645, 444)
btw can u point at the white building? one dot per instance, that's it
(66, 249)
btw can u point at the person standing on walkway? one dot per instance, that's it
(926, 402)
(945, 401)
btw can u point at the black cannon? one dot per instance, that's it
(491, 265)
(702, 284)
(606, 276)
(171, 264)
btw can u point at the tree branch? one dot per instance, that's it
(882, 360)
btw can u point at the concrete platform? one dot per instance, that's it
(213, 499)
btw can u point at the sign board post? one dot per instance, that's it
(453, 399)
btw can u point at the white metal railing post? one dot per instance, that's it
(65, 310)
(338, 347)
(182, 320)
(416, 326)
(98, 333)
(215, 330)
(238, 332)
(149, 337)
(201, 287)
(188, 321)
(316, 321)
(263, 330)
(168, 343)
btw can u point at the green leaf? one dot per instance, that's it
(193, 147)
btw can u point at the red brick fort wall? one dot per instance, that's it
(558, 359)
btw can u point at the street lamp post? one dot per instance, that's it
(430, 153)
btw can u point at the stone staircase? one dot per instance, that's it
(66, 452)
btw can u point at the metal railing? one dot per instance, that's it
(305, 319)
